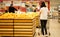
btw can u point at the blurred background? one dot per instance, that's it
(31, 7)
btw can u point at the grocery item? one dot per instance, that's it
(20, 16)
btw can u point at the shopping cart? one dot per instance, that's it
(48, 25)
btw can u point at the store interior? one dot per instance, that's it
(25, 21)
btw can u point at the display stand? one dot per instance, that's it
(17, 27)
(6, 27)
(37, 21)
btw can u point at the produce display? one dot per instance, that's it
(28, 15)
(21, 27)
(24, 24)
(22, 15)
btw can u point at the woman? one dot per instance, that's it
(43, 18)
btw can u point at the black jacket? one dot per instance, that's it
(12, 9)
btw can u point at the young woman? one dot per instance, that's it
(43, 17)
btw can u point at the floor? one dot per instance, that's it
(54, 29)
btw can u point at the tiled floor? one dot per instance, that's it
(54, 29)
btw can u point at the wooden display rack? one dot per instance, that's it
(24, 27)
(6, 27)
(17, 27)
(37, 21)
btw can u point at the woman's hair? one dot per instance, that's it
(43, 4)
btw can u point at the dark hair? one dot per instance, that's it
(43, 4)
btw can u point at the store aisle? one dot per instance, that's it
(54, 29)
